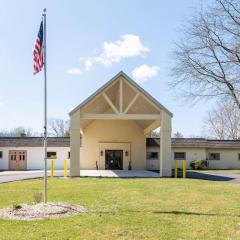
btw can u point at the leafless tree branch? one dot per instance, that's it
(208, 57)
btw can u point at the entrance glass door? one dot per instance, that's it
(113, 159)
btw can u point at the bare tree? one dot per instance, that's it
(155, 133)
(208, 56)
(58, 127)
(178, 135)
(223, 122)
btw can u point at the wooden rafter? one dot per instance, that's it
(131, 103)
(146, 98)
(152, 127)
(110, 102)
(120, 96)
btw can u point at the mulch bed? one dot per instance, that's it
(41, 211)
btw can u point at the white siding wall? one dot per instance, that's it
(191, 154)
(35, 156)
(228, 159)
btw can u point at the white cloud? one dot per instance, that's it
(144, 72)
(128, 46)
(74, 71)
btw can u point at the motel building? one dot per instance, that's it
(109, 131)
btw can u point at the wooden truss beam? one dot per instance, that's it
(152, 127)
(131, 103)
(110, 103)
(120, 116)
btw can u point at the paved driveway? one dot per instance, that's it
(11, 176)
(222, 177)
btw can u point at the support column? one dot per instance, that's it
(165, 145)
(75, 145)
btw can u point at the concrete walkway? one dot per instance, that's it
(118, 174)
(11, 176)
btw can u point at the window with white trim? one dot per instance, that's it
(214, 156)
(51, 155)
(180, 155)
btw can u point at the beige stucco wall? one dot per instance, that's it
(101, 133)
(165, 145)
(103, 146)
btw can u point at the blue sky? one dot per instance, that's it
(76, 33)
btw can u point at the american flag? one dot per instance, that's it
(38, 51)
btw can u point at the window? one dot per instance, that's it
(12, 155)
(68, 155)
(239, 156)
(1, 154)
(22, 155)
(19, 155)
(52, 155)
(214, 156)
(152, 155)
(180, 155)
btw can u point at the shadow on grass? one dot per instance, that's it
(203, 176)
(192, 213)
(209, 177)
(186, 213)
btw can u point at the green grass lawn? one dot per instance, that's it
(129, 209)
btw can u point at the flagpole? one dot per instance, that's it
(45, 105)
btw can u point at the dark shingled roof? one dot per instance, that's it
(223, 143)
(34, 141)
(151, 142)
(196, 143)
(189, 142)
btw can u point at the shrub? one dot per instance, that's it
(37, 197)
(199, 164)
(16, 206)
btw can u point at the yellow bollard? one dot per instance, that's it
(52, 168)
(65, 168)
(175, 168)
(184, 163)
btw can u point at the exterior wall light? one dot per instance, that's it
(101, 152)
(126, 153)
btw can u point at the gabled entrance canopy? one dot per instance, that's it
(120, 98)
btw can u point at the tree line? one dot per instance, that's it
(56, 128)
